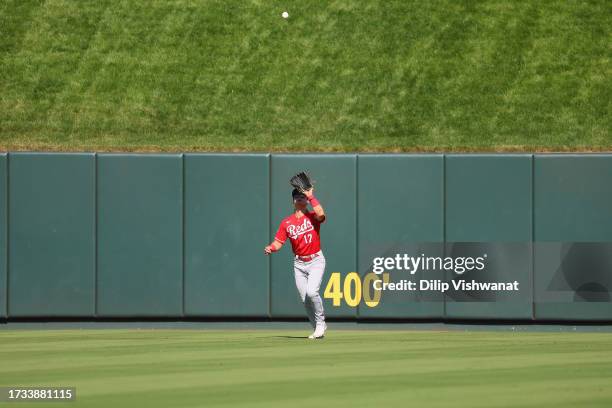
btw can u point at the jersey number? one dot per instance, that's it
(308, 238)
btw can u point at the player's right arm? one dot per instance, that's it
(279, 240)
(273, 247)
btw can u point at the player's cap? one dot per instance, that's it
(297, 194)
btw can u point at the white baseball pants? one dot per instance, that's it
(308, 277)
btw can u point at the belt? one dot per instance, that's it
(308, 258)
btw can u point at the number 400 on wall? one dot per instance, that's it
(353, 290)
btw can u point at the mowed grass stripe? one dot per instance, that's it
(353, 386)
(196, 355)
(552, 386)
(217, 371)
(268, 341)
(393, 363)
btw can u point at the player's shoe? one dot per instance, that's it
(319, 332)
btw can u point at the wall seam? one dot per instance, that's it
(533, 306)
(444, 205)
(358, 308)
(6, 198)
(269, 259)
(95, 235)
(182, 234)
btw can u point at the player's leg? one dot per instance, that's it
(316, 269)
(301, 283)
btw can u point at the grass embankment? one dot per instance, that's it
(339, 76)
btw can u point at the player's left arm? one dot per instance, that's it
(316, 205)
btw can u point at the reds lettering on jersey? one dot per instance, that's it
(303, 233)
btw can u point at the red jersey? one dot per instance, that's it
(303, 233)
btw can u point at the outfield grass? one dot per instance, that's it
(266, 368)
(336, 76)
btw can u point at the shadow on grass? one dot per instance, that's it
(287, 337)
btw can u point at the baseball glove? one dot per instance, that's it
(301, 181)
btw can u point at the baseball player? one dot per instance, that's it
(302, 229)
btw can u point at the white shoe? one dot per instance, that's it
(319, 332)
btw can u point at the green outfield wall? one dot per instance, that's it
(401, 209)
(227, 210)
(86, 235)
(52, 236)
(488, 210)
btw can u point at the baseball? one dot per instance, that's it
(285, 14)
